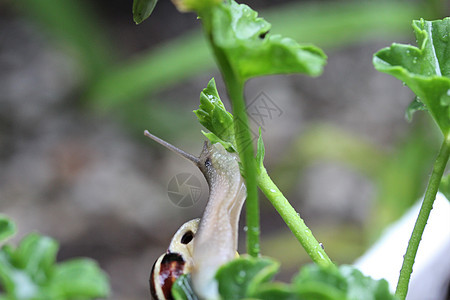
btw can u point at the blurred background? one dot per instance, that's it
(79, 83)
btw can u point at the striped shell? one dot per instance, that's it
(175, 262)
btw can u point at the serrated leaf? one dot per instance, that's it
(364, 287)
(7, 227)
(314, 282)
(79, 278)
(346, 283)
(182, 288)
(426, 69)
(214, 139)
(244, 39)
(414, 106)
(214, 117)
(241, 277)
(142, 9)
(444, 187)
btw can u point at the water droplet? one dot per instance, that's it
(272, 190)
(414, 60)
(321, 255)
(241, 277)
(245, 228)
(448, 92)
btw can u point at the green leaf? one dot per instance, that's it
(194, 5)
(182, 288)
(15, 282)
(346, 282)
(213, 116)
(328, 24)
(364, 287)
(25, 271)
(214, 139)
(251, 51)
(414, 106)
(30, 272)
(36, 255)
(425, 70)
(274, 290)
(260, 152)
(314, 282)
(78, 278)
(7, 282)
(7, 227)
(142, 9)
(444, 187)
(249, 277)
(241, 277)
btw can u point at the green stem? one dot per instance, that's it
(293, 220)
(246, 153)
(424, 213)
(244, 143)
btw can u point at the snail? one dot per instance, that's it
(215, 241)
(176, 261)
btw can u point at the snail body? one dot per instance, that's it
(215, 241)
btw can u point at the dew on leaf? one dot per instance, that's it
(240, 278)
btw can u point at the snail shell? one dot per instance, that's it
(175, 262)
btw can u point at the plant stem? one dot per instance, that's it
(424, 213)
(235, 89)
(246, 153)
(293, 220)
